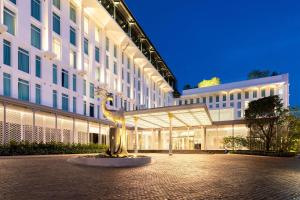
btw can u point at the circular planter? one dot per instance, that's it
(111, 162)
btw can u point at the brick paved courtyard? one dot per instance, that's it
(177, 177)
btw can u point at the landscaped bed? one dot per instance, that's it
(25, 148)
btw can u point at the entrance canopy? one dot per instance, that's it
(191, 115)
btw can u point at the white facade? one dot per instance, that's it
(125, 72)
(229, 101)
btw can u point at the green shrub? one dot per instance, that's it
(25, 148)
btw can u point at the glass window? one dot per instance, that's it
(6, 84)
(38, 94)
(231, 97)
(74, 82)
(97, 54)
(246, 95)
(204, 100)
(224, 105)
(115, 51)
(224, 97)
(74, 104)
(23, 90)
(35, 37)
(92, 110)
(73, 57)
(64, 78)
(65, 102)
(98, 74)
(73, 13)
(231, 104)
(54, 98)
(210, 99)
(107, 44)
(92, 91)
(217, 98)
(239, 114)
(56, 23)
(86, 46)
(6, 52)
(72, 36)
(263, 93)
(239, 96)
(115, 68)
(272, 92)
(56, 3)
(84, 107)
(57, 48)
(84, 87)
(13, 1)
(38, 71)
(54, 74)
(239, 105)
(217, 105)
(36, 9)
(23, 60)
(107, 62)
(255, 94)
(128, 63)
(9, 19)
(128, 77)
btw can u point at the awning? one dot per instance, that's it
(191, 115)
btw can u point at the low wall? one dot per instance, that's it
(181, 151)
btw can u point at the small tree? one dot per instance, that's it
(236, 143)
(187, 87)
(263, 116)
(261, 74)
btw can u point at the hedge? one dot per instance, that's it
(264, 153)
(25, 148)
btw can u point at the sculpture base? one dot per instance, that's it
(96, 161)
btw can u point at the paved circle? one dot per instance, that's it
(176, 177)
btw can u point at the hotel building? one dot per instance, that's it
(57, 53)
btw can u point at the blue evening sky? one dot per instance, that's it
(200, 39)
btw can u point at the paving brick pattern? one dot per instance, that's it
(176, 177)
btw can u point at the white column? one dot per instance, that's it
(170, 134)
(100, 136)
(1, 11)
(136, 135)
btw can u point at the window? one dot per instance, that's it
(122, 57)
(239, 96)
(38, 67)
(107, 62)
(54, 74)
(74, 104)
(35, 37)
(9, 19)
(98, 112)
(57, 48)
(36, 9)
(73, 57)
(210, 99)
(231, 97)
(72, 36)
(65, 102)
(246, 95)
(13, 1)
(115, 68)
(97, 34)
(98, 74)
(56, 3)
(38, 94)
(54, 98)
(73, 13)
(97, 54)
(92, 110)
(224, 97)
(198, 100)
(64, 78)
(115, 51)
(224, 105)
(23, 60)
(84, 107)
(255, 94)
(84, 87)
(23, 90)
(6, 84)
(6, 52)
(107, 44)
(239, 105)
(217, 98)
(231, 104)
(217, 105)
(263, 93)
(86, 25)
(92, 92)
(128, 92)
(204, 100)
(239, 114)
(272, 92)
(86, 46)
(74, 83)
(128, 77)
(56, 23)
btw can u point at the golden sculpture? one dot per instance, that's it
(117, 135)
